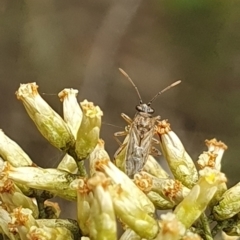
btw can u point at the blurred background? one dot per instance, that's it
(81, 44)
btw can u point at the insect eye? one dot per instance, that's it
(139, 108)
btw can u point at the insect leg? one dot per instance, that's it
(126, 118)
(117, 140)
(155, 141)
(155, 151)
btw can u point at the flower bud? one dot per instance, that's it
(180, 163)
(120, 178)
(48, 122)
(127, 208)
(229, 204)
(12, 196)
(46, 233)
(83, 205)
(195, 203)
(12, 152)
(169, 189)
(102, 221)
(97, 154)
(212, 158)
(50, 179)
(69, 224)
(88, 133)
(159, 202)
(72, 112)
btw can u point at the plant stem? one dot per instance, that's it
(206, 228)
(79, 162)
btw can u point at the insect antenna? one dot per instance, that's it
(131, 81)
(112, 125)
(164, 90)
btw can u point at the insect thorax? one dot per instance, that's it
(144, 122)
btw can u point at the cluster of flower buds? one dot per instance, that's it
(109, 204)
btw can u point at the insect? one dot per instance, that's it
(133, 153)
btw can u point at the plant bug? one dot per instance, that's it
(133, 153)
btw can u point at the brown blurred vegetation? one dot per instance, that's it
(81, 44)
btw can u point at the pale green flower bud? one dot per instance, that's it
(170, 228)
(212, 159)
(169, 189)
(48, 122)
(46, 233)
(102, 221)
(72, 112)
(195, 203)
(154, 168)
(180, 163)
(12, 152)
(97, 154)
(50, 179)
(229, 204)
(68, 164)
(159, 202)
(12, 196)
(83, 206)
(126, 206)
(88, 133)
(69, 224)
(120, 178)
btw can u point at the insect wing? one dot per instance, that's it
(138, 149)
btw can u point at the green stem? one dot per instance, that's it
(82, 169)
(216, 229)
(206, 227)
(79, 162)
